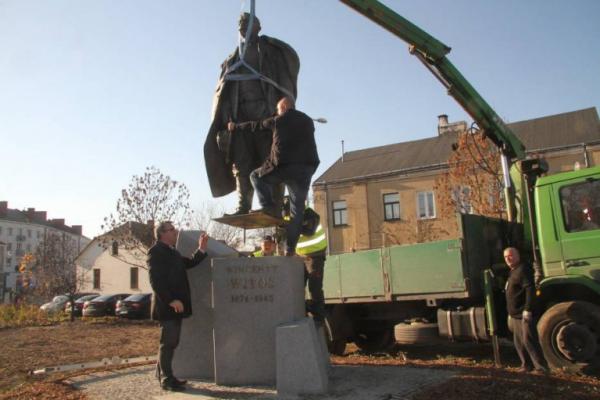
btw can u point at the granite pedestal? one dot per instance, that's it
(251, 297)
(194, 357)
(301, 367)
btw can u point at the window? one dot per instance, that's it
(9, 231)
(0, 230)
(115, 248)
(133, 277)
(9, 246)
(340, 213)
(391, 206)
(425, 205)
(28, 246)
(28, 233)
(96, 278)
(580, 204)
(39, 234)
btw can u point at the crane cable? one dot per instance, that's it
(254, 74)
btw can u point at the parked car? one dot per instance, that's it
(134, 306)
(102, 305)
(78, 304)
(56, 305)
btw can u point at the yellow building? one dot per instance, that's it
(386, 195)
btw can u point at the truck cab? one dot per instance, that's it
(567, 214)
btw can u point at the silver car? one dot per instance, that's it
(56, 305)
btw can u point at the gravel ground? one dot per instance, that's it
(345, 382)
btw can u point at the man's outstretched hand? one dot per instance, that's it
(177, 306)
(203, 242)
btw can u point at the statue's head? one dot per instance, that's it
(245, 20)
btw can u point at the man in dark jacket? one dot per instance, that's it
(520, 294)
(292, 161)
(171, 300)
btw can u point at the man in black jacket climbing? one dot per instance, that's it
(171, 300)
(292, 161)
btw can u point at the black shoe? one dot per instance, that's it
(271, 211)
(179, 382)
(239, 211)
(541, 371)
(170, 385)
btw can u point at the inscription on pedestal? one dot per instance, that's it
(251, 297)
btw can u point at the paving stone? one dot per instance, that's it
(251, 297)
(301, 367)
(194, 357)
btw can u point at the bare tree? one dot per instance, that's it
(51, 270)
(150, 197)
(472, 184)
(202, 219)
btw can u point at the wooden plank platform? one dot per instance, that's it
(253, 220)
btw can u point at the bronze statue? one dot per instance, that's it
(248, 90)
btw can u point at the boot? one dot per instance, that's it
(245, 193)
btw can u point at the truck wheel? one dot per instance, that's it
(375, 340)
(570, 335)
(335, 346)
(416, 333)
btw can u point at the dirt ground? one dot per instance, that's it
(24, 349)
(30, 348)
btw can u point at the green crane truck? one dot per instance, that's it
(453, 288)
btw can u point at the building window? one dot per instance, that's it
(0, 230)
(425, 205)
(115, 248)
(28, 246)
(9, 246)
(340, 213)
(28, 233)
(391, 206)
(133, 277)
(9, 231)
(39, 234)
(96, 281)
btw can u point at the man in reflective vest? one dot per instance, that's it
(313, 249)
(267, 248)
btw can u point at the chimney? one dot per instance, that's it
(58, 222)
(77, 229)
(3, 208)
(442, 123)
(31, 214)
(448, 127)
(40, 216)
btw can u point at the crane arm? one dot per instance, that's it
(432, 53)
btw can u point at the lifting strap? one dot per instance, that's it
(254, 74)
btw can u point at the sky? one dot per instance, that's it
(94, 91)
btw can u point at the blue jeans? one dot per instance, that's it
(296, 177)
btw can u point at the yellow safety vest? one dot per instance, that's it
(308, 245)
(258, 253)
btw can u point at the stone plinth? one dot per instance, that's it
(251, 297)
(301, 367)
(194, 357)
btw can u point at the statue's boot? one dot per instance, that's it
(245, 193)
